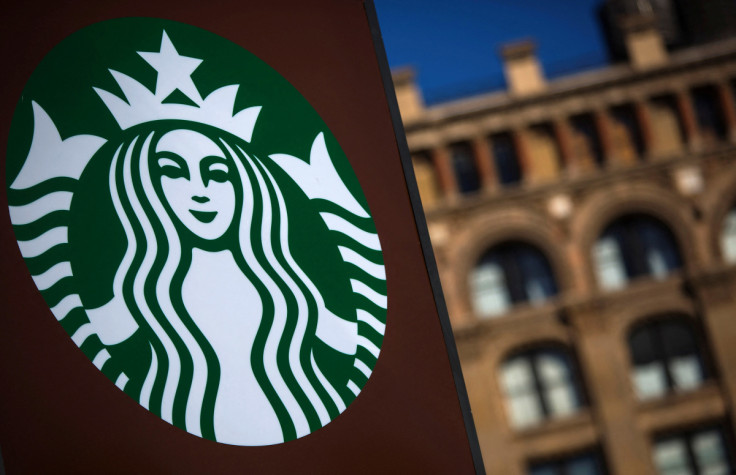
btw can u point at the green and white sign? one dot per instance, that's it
(197, 231)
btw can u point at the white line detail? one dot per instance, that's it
(363, 368)
(368, 345)
(374, 323)
(82, 333)
(53, 275)
(353, 387)
(44, 242)
(342, 225)
(371, 268)
(101, 358)
(362, 289)
(25, 214)
(67, 304)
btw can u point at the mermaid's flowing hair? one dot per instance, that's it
(182, 380)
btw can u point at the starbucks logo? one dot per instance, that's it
(197, 231)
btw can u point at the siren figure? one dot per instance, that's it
(224, 323)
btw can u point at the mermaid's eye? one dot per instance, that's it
(217, 171)
(172, 166)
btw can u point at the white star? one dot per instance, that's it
(174, 71)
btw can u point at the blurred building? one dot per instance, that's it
(585, 234)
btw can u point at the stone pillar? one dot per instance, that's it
(605, 364)
(523, 154)
(485, 163)
(716, 293)
(725, 95)
(603, 127)
(564, 140)
(689, 120)
(445, 173)
(644, 120)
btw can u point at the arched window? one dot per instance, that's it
(539, 384)
(666, 357)
(509, 274)
(634, 246)
(728, 237)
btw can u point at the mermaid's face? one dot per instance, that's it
(197, 182)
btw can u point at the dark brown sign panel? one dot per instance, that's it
(211, 259)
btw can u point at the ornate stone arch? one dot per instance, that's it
(720, 197)
(514, 224)
(623, 321)
(603, 207)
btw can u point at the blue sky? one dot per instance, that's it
(454, 44)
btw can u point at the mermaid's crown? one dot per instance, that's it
(174, 73)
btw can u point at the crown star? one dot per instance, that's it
(174, 70)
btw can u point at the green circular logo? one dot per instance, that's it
(197, 231)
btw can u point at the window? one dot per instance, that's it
(700, 452)
(709, 114)
(728, 237)
(585, 139)
(539, 384)
(509, 274)
(634, 246)
(507, 162)
(589, 463)
(665, 358)
(466, 171)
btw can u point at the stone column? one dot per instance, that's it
(725, 95)
(689, 120)
(445, 173)
(605, 366)
(523, 154)
(603, 127)
(485, 163)
(644, 120)
(564, 140)
(716, 292)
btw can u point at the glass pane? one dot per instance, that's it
(650, 380)
(670, 457)
(539, 283)
(641, 345)
(544, 470)
(507, 163)
(466, 173)
(686, 372)
(585, 465)
(516, 375)
(490, 292)
(728, 237)
(710, 453)
(524, 410)
(553, 367)
(678, 339)
(562, 400)
(609, 264)
(659, 247)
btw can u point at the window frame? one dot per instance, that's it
(687, 434)
(538, 389)
(508, 256)
(655, 325)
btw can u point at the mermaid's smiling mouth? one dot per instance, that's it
(204, 216)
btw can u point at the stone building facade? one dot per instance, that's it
(585, 235)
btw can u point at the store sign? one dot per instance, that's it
(235, 291)
(192, 224)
